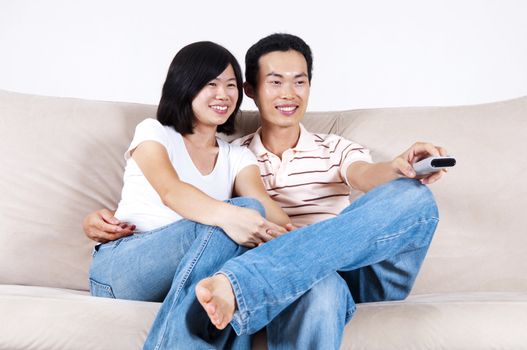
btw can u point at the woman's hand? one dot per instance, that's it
(248, 228)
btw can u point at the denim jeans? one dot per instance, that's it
(165, 265)
(315, 320)
(375, 246)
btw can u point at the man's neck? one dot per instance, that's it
(279, 139)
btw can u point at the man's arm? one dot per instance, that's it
(101, 226)
(365, 176)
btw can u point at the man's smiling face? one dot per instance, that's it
(282, 90)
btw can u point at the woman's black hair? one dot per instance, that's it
(191, 69)
(275, 42)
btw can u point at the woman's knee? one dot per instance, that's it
(248, 202)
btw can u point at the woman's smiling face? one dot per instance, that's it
(216, 101)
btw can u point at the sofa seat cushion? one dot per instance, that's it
(52, 318)
(441, 321)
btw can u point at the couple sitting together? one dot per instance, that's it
(232, 238)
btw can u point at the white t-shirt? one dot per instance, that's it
(141, 205)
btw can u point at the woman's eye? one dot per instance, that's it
(213, 84)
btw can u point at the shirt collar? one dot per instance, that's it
(306, 142)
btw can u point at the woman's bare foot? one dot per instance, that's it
(216, 296)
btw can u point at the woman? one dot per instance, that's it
(177, 184)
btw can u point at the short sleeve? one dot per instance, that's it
(352, 153)
(244, 158)
(147, 130)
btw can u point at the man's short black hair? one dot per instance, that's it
(275, 42)
(191, 69)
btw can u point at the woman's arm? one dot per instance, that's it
(249, 183)
(244, 226)
(187, 200)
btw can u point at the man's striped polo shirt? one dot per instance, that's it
(309, 182)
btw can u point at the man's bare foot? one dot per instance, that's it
(216, 296)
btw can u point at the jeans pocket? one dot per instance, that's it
(98, 289)
(95, 250)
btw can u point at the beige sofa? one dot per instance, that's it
(62, 158)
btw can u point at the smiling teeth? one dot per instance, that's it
(287, 109)
(219, 108)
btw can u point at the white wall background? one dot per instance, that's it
(376, 53)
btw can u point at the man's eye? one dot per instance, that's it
(300, 82)
(275, 82)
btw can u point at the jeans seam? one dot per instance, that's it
(242, 305)
(406, 229)
(184, 280)
(99, 285)
(350, 313)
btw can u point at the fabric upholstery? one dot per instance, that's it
(61, 158)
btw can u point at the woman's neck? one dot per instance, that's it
(202, 137)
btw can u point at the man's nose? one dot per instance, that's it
(288, 91)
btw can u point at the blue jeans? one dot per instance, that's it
(165, 265)
(375, 246)
(307, 305)
(315, 320)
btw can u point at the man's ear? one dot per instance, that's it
(249, 90)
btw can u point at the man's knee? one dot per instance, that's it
(248, 202)
(413, 195)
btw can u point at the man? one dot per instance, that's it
(376, 244)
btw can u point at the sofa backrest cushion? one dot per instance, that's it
(62, 158)
(481, 240)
